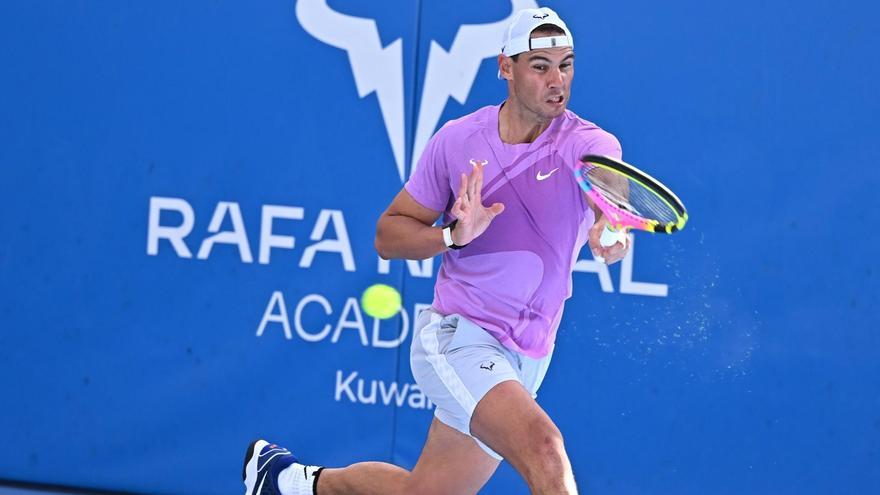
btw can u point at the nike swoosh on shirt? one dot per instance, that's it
(541, 176)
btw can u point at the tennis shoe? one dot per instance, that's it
(262, 464)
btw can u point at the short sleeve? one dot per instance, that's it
(429, 184)
(602, 143)
(591, 140)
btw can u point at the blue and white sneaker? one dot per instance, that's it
(266, 472)
(262, 463)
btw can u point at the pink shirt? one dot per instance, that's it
(514, 279)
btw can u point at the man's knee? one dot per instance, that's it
(548, 463)
(547, 440)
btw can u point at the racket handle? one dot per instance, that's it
(611, 237)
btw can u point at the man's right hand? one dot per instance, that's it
(473, 217)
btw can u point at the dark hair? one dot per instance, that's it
(543, 29)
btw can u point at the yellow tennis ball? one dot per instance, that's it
(381, 301)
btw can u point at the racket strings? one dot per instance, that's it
(651, 205)
(630, 195)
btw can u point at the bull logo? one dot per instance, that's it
(380, 69)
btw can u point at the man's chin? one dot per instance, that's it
(555, 111)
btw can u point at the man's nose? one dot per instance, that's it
(555, 78)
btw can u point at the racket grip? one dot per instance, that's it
(611, 237)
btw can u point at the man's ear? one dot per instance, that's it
(505, 67)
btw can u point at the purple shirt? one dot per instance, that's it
(512, 280)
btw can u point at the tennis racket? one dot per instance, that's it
(629, 199)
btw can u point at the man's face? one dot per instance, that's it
(541, 80)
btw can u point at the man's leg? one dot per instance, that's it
(508, 420)
(450, 463)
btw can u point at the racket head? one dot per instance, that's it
(629, 197)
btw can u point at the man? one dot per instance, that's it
(481, 352)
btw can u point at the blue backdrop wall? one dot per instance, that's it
(190, 191)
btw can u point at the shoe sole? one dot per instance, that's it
(251, 459)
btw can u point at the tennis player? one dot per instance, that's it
(514, 221)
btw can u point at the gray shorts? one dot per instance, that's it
(455, 363)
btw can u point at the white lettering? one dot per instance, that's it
(417, 398)
(268, 240)
(339, 245)
(627, 286)
(174, 235)
(601, 269)
(297, 316)
(344, 386)
(237, 237)
(351, 317)
(390, 393)
(351, 306)
(269, 315)
(371, 399)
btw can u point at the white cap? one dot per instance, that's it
(518, 37)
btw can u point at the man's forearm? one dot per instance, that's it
(401, 236)
(597, 213)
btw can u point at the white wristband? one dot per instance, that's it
(447, 236)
